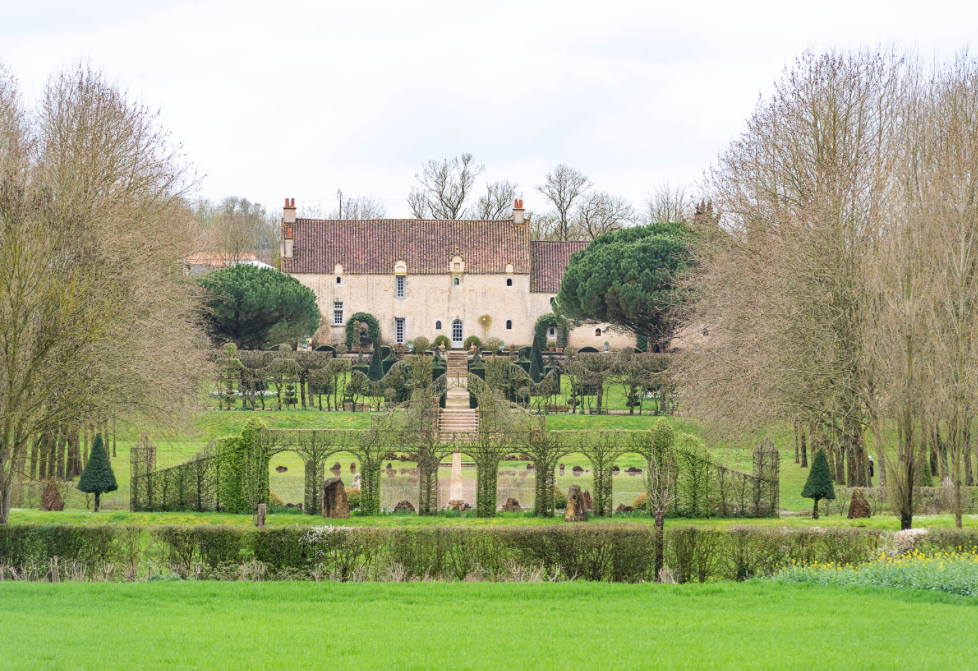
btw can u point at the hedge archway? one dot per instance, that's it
(540, 331)
(373, 328)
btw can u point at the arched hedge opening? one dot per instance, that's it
(353, 331)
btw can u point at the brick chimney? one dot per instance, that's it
(518, 212)
(288, 224)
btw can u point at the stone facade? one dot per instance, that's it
(485, 268)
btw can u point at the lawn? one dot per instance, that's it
(206, 625)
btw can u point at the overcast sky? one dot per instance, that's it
(299, 99)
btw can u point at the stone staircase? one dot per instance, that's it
(457, 416)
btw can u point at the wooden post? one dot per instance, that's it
(260, 518)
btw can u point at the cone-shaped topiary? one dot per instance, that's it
(98, 478)
(376, 369)
(534, 371)
(819, 484)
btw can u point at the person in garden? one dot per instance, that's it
(819, 485)
(98, 478)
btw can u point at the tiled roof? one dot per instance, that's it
(550, 260)
(425, 246)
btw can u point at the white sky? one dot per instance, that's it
(275, 99)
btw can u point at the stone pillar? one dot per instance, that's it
(456, 499)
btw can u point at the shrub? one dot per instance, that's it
(353, 498)
(442, 340)
(473, 340)
(641, 502)
(819, 484)
(493, 345)
(274, 499)
(421, 345)
(560, 499)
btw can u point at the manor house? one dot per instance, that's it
(429, 278)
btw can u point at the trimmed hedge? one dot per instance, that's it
(610, 552)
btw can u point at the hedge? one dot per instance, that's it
(608, 552)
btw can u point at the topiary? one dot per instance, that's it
(353, 498)
(819, 484)
(442, 340)
(663, 435)
(274, 499)
(376, 369)
(473, 340)
(421, 345)
(98, 478)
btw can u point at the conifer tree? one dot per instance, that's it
(376, 370)
(819, 484)
(98, 477)
(535, 374)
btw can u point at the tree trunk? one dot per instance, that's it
(969, 476)
(815, 510)
(660, 519)
(97, 496)
(797, 442)
(804, 449)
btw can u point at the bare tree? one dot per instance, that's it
(668, 203)
(95, 318)
(660, 485)
(360, 208)
(563, 186)
(445, 186)
(599, 212)
(496, 203)
(236, 227)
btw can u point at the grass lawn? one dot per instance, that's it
(208, 625)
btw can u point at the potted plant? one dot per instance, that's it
(551, 345)
(560, 350)
(607, 345)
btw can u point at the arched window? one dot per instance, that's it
(456, 282)
(438, 325)
(509, 281)
(597, 332)
(509, 323)
(338, 281)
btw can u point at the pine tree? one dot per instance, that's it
(819, 484)
(98, 477)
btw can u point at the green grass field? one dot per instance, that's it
(207, 625)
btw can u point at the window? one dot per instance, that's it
(399, 330)
(597, 332)
(455, 282)
(509, 324)
(438, 325)
(337, 312)
(458, 335)
(399, 285)
(552, 332)
(339, 281)
(509, 281)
